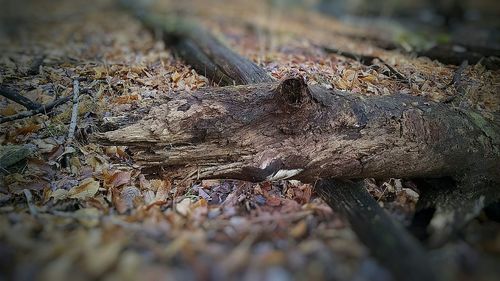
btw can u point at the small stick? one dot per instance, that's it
(72, 124)
(18, 98)
(74, 112)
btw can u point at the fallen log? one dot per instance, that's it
(289, 130)
(273, 131)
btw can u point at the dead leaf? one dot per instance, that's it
(116, 178)
(87, 188)
(59, 194)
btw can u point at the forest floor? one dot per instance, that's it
(84, 211)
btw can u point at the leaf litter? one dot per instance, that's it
(99, 217)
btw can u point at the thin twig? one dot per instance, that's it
(42, 109)
(72, 124)
(74, 112)
(366, 60)
(18, 98)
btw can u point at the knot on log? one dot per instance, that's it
(293, 91)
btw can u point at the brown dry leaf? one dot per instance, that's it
(59, 194)
(88, 217)
(110, 150)
(116, 178)
(303, 194)
(45, 145)
(31, 128)
(87, 188)
(100, 72)
(75, 165)
(126, 99)
(120, 151)
(162, 190)
(97, 162)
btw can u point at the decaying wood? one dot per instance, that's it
(387, 240)
(200, 49)
(289, 130)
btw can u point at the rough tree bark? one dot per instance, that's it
(289, 130)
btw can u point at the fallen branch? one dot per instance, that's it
(387, 240)
(42, 109)
(18, 98)
(207, 55)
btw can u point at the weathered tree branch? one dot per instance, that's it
(290, 130)
(207, 55)
(388, 241)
